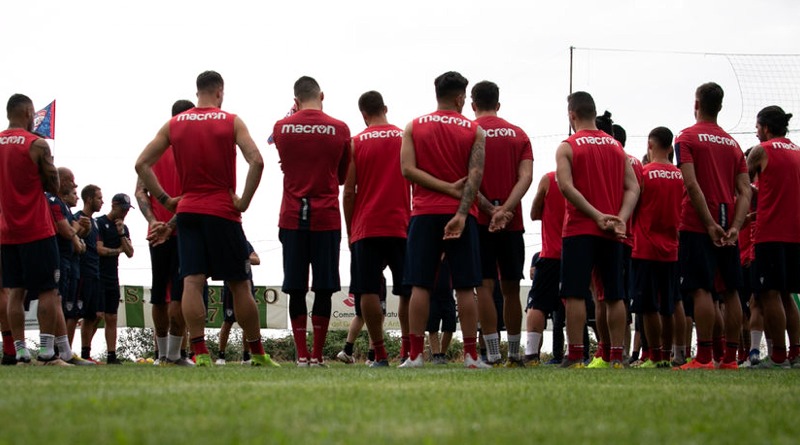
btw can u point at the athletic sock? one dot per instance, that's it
(299, 335)
(635, 356)
(645, 355)
(602, 351)
(405, 346)
(320, 325)
(371, 355)
(665, 353)
(492, 347)
(513, 345)
(655, 354)
(470, 347)
(615, 353)
(86, 352)
(245, 356)
(21, 350)
(162, 344)
(532, 346)
(173, 349)
(256, 347)
(704, 351)
(718, 348)
(769, 347)
(199, 345)
(575, 352)
(8, 343)
(778, 355)
(417, 343)
(64, 350)
(679, 353)
(221, 355)
(380, 350)
(111, 356)
(483, 352)
(348, 348)
(755, 339)
(794, 352)
(731, 348)
(46, 343)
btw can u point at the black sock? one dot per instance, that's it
(371, 355)
(246, 356)
(85, 353)
(348, 348)
(483, 352)
(221, 355)
(112, 355)
(184, 354)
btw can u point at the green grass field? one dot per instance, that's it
(143, 404)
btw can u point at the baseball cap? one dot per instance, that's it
(122, 200)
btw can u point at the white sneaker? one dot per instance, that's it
(317, 363)
(158, 361)
(302, 363)
(247, 362)
(472, 363)
(416, 363)
(345, 358)
(220, 362)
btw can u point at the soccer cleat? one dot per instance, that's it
(159, 361)
(345, 358)
(380, 364)
(731, 366)
(439, 360)
(113, 361)
(472, 363)
(598, 363)
(316, 363)
(23, 362)
(530, 358)
(55, 361)
(403, 359)
(8, 360)
(247, 362)
(518, 363)
(648, 364)
(616, 364)
(183, 361)
(415, 363)
(202, 360)
(77, 361)
(553, 361)
(767, 363)
(694, 364)
(754, 357)
(220, 362)
(302, 362)
(572, 364)
(264, 360)
(795, 362)
(368, 362)
(663, 364)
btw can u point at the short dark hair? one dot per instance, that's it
(775, 119)
(620, 134)
(180, 106)
(89, 191)
(16, 102)
(209, 81)
(371, 103)
(306, 88)
(582, 104)
(486, 95)
(710, 95)
(605, 123)
(661, 136)
(449, 85)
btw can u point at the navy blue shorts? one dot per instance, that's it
(776, 267)
(747, 289)
(544, 295)
(369, 257)
(111, 297)
(583, 253)
(31, 266)
(167, 282)
(442, 312)
(304, 248)
(212, 246)
(655, 286)
(228, 314)
(90, 294)
(701, 261)
(502, 254)
(425, 248)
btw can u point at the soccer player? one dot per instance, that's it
(314, 150)
(30, 258)
(230, 316)
(715, 175)
(548, 207)
(209, 212)
(655, 254)
(114, 238)
(599, 184)
(443, 155)
(776, 161)
(506, 178)
(377, 207)
(90, 289)
(167, 287)
(442, 315)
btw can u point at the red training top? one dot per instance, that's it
(204, 146)
(442, 145)
(383, 195)
(314, 149)
(717, 161)
(598, 172)
(629, 230)
(779, 193)
(659, 213)
(552, 220)
(25, 216)
(167, 174)
(506, 147)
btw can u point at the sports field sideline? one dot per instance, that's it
(140, 404)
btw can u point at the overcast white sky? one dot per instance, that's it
(116, 69)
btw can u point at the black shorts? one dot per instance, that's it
(110, 300)
(228, 314)
(369, 257)
(32, 266)
(303, 248)
(212, 246)
(501, 252)
(167, 282)
(544, 295)
(776, 267)
(583, 253)
(425, 247)
(381, 297)
(655, 284)
(701, 262)
(442, 312)
(747, 290)
(90, 293)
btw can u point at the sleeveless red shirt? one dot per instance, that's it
(778, 217)
(658, 214)
(552, 220)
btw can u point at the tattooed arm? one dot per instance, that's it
(40, 154)
(476, 159)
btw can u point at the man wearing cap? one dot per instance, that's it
(113, 239)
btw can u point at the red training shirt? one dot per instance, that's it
(167, 174)
(659, 213)
(779, 193)
(552, 220)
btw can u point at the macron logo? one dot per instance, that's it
(308, 129)
(215, 115)
(605, 140)
(785, 146)
(664, 174)
(8, 140)
(500, 133)
(383, 134)
(448, 120)
(721, 140)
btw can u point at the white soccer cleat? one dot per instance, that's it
(220, 362)
(345, 358)
(416, 363)
(471, 363)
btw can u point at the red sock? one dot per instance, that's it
(778, 355)
(405, 346)
(575, 352)
(719, 348)
(601, 351)
(687, 351)
(645, 355)
(380, 351)
(470, 347)
(615, 353)
(417, 345)
(794, 351)
(320, 333)
(199, 346)
(8, 344)
(256, 347)
(743, 352)
(730, 352)
(299, 334)
(704, 351)
(655, 354)
(666, 353)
